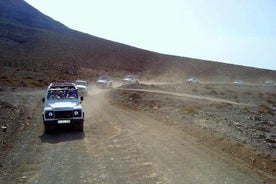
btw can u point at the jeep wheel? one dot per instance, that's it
(47, 129)
(80, 127)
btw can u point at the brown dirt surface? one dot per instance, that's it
(236, 120)
(146, 133)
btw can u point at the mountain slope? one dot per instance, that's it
(36, 48)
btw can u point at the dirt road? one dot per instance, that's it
(185, 95)
(119, 145)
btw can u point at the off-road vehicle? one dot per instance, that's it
(104, 81)
(193, 80)
(62, 106)
(131, 79)
(82, 85)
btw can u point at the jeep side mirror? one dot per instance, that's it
(43, 100)
(81, 98)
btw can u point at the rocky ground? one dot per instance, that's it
(237, 120)
(18, 106)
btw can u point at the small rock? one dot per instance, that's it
(237, 123)
(270, 139)
(24, 177)
(155, 108)
(270, 123)
(4, 128)
(257, 118)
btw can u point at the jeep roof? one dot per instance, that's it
(62, 85)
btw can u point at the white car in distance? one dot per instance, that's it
(104, 81)
(238, 82)
(193, 80)
(269, 82)
(131, 79)
(82, 86)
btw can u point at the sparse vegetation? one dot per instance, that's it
(134, 96)
(190, 110)
(247, 93)
(213, 93)
(263, 109)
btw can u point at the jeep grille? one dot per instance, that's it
(63, 114)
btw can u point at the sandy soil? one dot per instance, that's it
(165, 133)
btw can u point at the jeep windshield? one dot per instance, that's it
(81, 83)
(104, 78)
(54, 94)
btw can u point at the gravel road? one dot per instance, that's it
(119, 145)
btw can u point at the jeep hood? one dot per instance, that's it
(63, 105)
(101, 81)
(81, 86)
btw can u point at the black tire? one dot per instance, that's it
(47, 129)
(80, 127)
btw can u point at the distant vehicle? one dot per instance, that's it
(104, 81)
(238, 82)
(131, 79)
(269, 82)
(82, 85)
(62, 106)
(193, 80)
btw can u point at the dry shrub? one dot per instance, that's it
(213, 93)
(208, 87)
(230, 91)
(261, 95)
(265, 110)
(134, 96)
(223, 105)
(190, 110)
(247, 93)
(270, 101)
(36, 84)
(195, 90)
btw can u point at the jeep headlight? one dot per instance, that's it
(77, 113)
(49, 114)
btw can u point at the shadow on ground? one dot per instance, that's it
(62, 134)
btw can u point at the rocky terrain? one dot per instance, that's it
(236, 119)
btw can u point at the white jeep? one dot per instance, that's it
(131, 79)
(82, 85)
(104, 81)
(62, 106)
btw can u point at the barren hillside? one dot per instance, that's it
(35, 49)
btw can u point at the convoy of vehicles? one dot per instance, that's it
(62, 102)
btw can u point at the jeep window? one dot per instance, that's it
(83, 83)
(61, 94)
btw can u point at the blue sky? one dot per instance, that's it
(231, 31)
